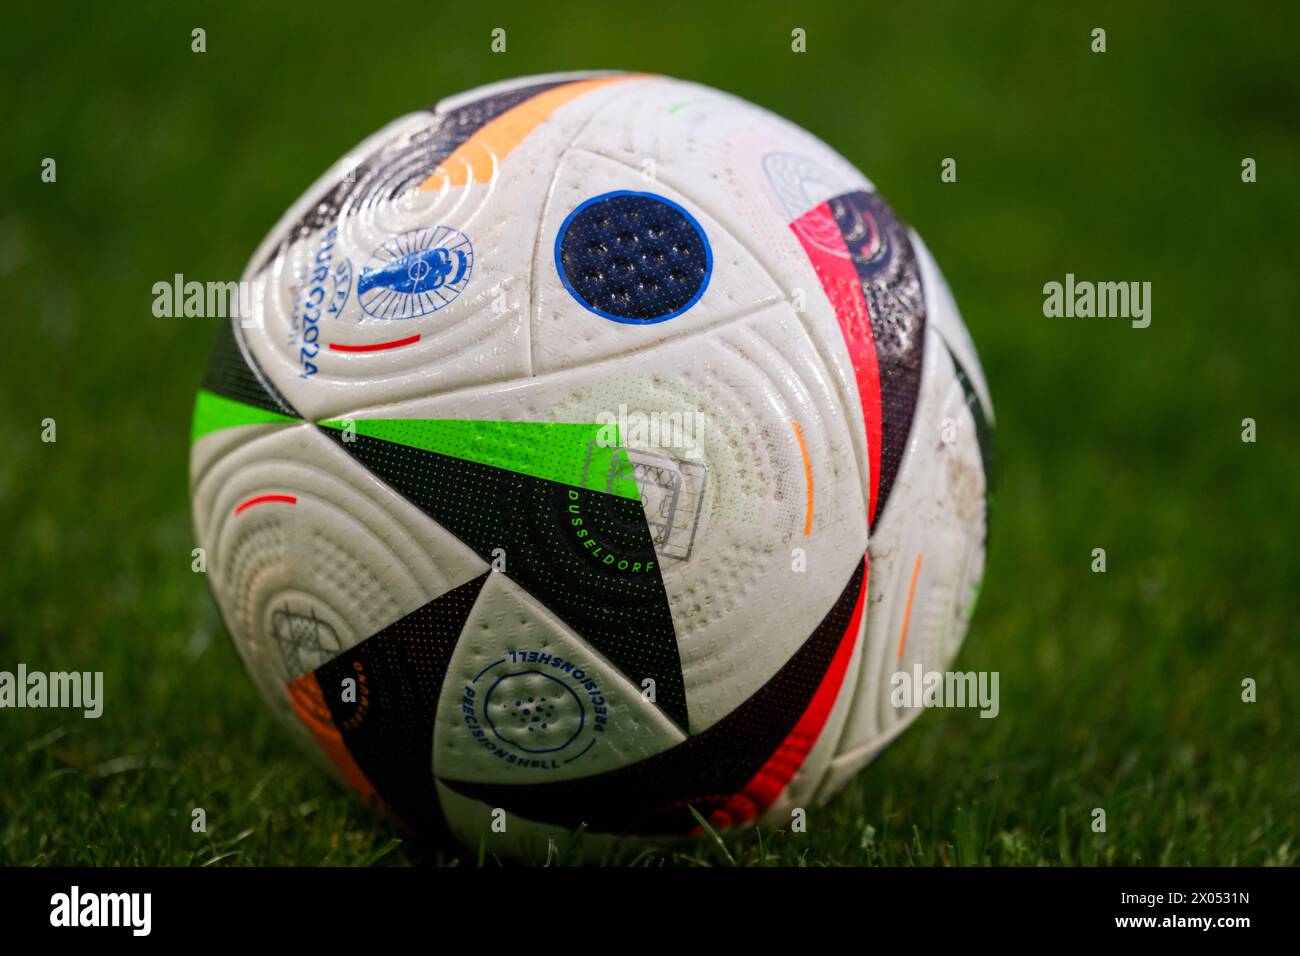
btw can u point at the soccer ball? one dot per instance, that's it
(597, 448)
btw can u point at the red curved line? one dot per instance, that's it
(376, 347)
(262, 499)
(829, 255)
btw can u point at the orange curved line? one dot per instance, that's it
(473, 160)
(807, 476)
(907, 614)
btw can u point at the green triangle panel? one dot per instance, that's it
(587, 555)
(587, 456)
(213, 412)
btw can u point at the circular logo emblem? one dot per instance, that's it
(415, 273)
(534, 711)
(632, 257)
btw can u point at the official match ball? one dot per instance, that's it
(597, 448)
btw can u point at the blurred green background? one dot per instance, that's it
(1119, 690)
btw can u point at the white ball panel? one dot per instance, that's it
(567, 335)
(518, 704)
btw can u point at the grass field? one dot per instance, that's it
(1119, 690)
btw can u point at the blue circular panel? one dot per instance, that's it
(633, 257)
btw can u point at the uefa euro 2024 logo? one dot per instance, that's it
(415, 273)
